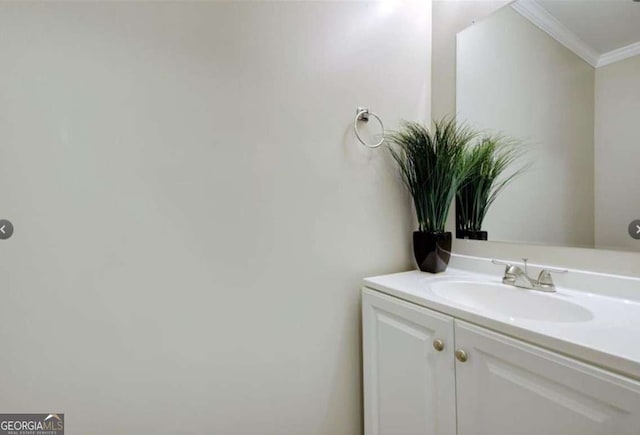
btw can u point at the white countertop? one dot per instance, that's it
(611, 339)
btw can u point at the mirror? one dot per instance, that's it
(562, 77)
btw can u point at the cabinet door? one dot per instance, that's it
(409, 386)
(508, 387)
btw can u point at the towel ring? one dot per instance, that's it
(363, 114)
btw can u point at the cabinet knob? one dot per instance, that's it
(461, 355)
(438, 344)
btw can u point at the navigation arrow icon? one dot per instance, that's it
(634, 229)
(6, 229)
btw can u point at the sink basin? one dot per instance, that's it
(511, 301)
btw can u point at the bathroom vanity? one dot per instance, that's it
(461, 353)
(466, 352)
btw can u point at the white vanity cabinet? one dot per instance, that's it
(497, 385)
(409, 369)
(510, 387)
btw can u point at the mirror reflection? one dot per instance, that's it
(564, 78)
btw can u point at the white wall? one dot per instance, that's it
(193, 213)
(617, 153)
(514, 78)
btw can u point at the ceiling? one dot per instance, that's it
(600, 31)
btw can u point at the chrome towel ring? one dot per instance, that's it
(363, 114)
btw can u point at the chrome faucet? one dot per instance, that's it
(515, 276)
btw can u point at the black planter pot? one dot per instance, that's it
(432, 251)
(472, 235)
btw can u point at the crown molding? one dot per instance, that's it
(539, 16)
(619, 54)
(532, 11)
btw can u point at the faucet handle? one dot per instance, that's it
(508, 267)
(551, 270)
(546, 281)
(510, 271)
(501, 263)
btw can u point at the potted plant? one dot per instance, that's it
(485, 177)
(432, 165)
